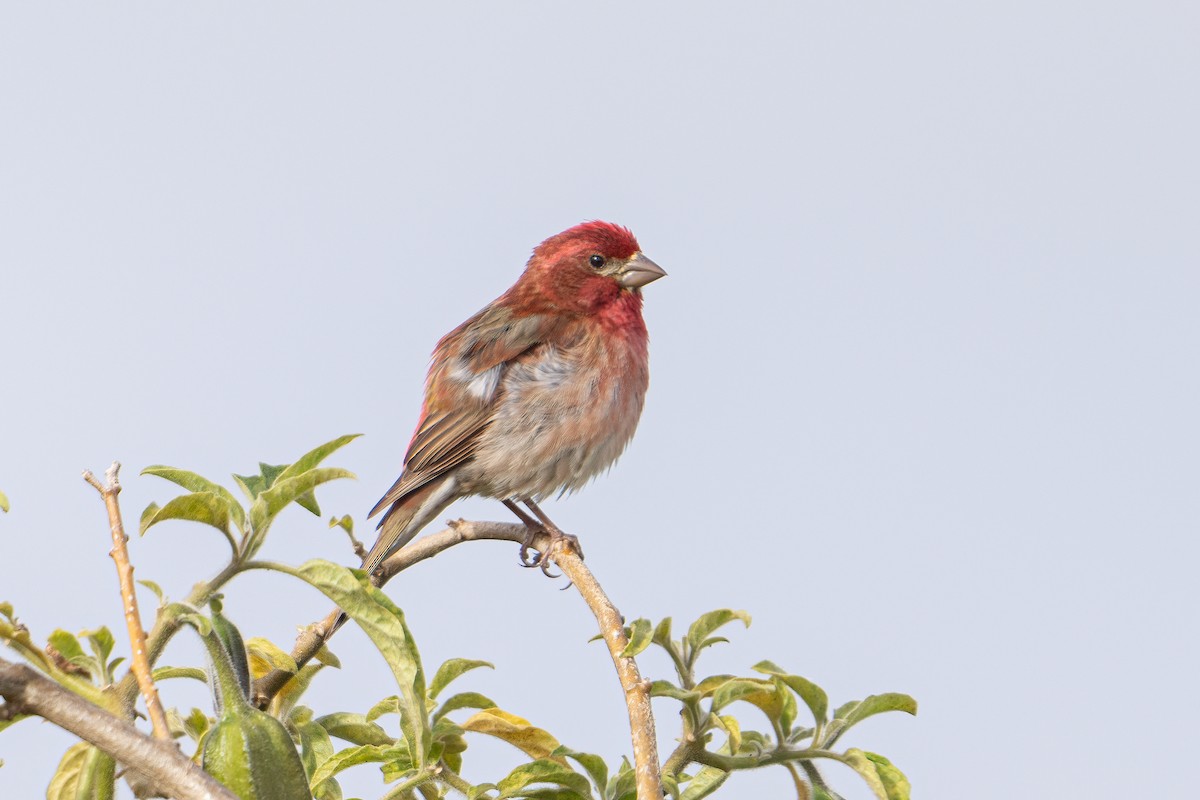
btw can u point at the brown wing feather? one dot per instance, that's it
(455, 418)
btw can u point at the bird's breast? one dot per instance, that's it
(565, 413)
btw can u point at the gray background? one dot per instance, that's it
(924, 371)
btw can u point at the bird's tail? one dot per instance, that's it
(408, 515)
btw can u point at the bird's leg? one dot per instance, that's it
(558, 539)
(534, 528)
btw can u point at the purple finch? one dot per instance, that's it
(533, 396)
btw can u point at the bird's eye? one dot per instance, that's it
(597, 261)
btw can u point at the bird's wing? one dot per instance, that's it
(462, 393)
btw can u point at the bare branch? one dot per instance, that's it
(637, 690)
(140, 663)
(27, 692)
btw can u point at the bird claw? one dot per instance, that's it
(559, 542)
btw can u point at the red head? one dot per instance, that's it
(585, 269)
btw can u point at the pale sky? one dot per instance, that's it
(924, 372)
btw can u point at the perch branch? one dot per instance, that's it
(636, 689)
(133, 620)
(27, 692)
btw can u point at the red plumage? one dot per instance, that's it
(537, 393)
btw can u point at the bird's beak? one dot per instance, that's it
(639, 271)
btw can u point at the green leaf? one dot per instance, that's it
(639, 638)
(69, 648)
(158, 592)
(345, 523)
(849, 714)
(707, 781)
(353, 756)
(732, 729)
(388, 705)
(895, 784)
(739, 689)
(885, 780)
(326, 657)
(315, 749)
(197, 724)
(662, 633)
(65, 783)
(206, 508)
(543, 771)
(286, 490)
(4, 502)
(463, 700)
(296, 686)
(101, 641)
(710, 684)
(354, 728)
(531, 740)
(166, 673)
(383, 623)
(597, 770)
(813, 696)
(315, 456)
(476, 792)
(701, 629)
(251, 485)
(197, 483)
(451, 670)
(668, 689)
(266, 656)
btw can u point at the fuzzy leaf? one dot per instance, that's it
(707, 781)
(197, 483)
(315, 749)
(662, 632)
(206, 508)
(463, 700)
(4, 502)
(640, 636)
(813, 696)
(701, 629)
(873, 768)
(451, 670)
(597, 770)
(266, 655)
(543, 771)
(388, 705)
(158, 592)
(531, 740)
(354, 728)
(352, 756)
(101, 641)
(849, 714)
(383, 623)
(69, 648)
(287, 490)
(668, 689)
(166, 673)
(710, 684)
(65, 783)
(315, 456)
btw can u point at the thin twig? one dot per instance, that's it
(637, 690)
(140, 663)
(171, 771)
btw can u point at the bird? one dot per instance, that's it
(534, 395)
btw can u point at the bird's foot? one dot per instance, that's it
(559, 542)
